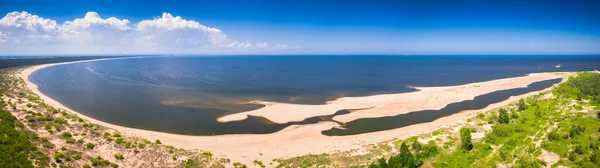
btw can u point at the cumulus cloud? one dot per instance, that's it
(25, 28)
(92, 29)
(168, 33)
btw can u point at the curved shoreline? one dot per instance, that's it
(305, 139)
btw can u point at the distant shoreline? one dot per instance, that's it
(305, 139)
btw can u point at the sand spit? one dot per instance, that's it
(304, 139)
(427, 98)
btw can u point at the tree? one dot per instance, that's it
(503, 116)
(522, 105)
(416, 146)
(404, 160)
(382, 163)
(465, 139)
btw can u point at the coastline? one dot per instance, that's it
(425, 98)
(305, 139)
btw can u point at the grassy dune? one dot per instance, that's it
(33, 134)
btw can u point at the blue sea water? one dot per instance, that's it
(185, 94)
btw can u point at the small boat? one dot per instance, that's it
(557, 66)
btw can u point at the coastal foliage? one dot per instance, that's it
(557, 128)
(403, 160)
(465, 139)
(35, 134)
(15, 147)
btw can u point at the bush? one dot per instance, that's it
(119, 156)
(119, 140)
(90, 145)
(207, 153)
(553, 136)
(98, 161)
(428, 150)
(157, 142)
(501, 130)
(67, 135)
(576, 130)
(70, 140)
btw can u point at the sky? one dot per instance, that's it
(97, 27)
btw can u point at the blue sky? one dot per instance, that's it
(307, 27)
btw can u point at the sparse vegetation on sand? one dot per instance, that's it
(35, 134)
(556, 128)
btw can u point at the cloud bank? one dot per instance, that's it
(26, 33)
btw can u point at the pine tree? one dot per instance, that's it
(465, 139)
(503, 116)
(521, 104)
(404, 160)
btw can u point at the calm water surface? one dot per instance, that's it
(185, 94)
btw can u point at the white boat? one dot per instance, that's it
(557, 66)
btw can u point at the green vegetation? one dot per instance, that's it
(119, 156)
(239, 165)
(465, 139)
(555, 123)
(90, 145)
(258, 163)
(503, 118)
(98, 161)
(207, 153)
(15, 147)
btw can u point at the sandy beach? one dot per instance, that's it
(304, 139)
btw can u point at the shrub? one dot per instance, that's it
(553, 136)
(207, 153)
(98, 161)
(70, 140)
(77, 156)
(90, 145)
(501, 130)
(119, 140)
(119, 156)
(67, 135)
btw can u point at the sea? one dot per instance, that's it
(186, 94)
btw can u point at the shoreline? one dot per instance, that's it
(298, 140)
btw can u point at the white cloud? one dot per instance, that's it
(93, 34)
(92, 29)
(25, 28)
(3, 37)
(177, 32)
